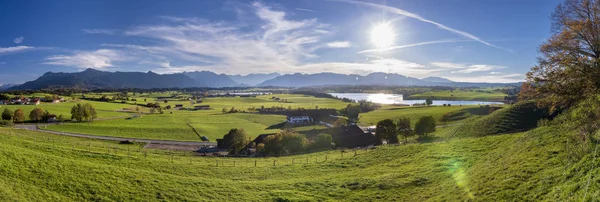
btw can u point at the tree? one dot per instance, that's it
(76, 112)
(224, 110)
(160, 110)
(61, 118)
(424, 125)
(46, 116)
(404, 128)
(323, 141)
(293, 142)
(7, 114)
(352, 112)
(386, 129)
(237, 139)
(568, 70)
(19, 116)
(37, 115)
(286, 141)
(260, 148)
(429, 101)
(85, 112)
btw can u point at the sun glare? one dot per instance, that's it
(382, 35)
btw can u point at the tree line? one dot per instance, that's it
(389, 130)
(79, 112)
(283, 142)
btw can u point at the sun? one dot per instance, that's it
(382, 35)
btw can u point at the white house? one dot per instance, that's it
(299, 119)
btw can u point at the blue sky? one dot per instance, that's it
(475, 41)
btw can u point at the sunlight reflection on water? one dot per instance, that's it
(382, 98)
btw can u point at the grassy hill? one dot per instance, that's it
(414, 113)
(518, 117)
(514, 167)
(479, 95)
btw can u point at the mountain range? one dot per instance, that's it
(95, 79)
(7, 86)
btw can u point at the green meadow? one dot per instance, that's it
(414, 113)
(178, 124)
(476, 95)
(213, 123)
(515, 167)
(103, 109)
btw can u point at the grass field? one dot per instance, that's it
(414, 113)
(103, 109)
(515, 167)
(483, 95)
(175, 124)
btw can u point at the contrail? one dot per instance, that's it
(417, 17)
(304, 9)
(413, 45)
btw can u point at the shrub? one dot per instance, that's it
(237, 139)
(6, 123)
(36, 114)
(322, 141)
(19, 116)
(7, 114)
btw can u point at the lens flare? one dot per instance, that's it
(460, 177)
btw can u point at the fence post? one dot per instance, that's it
(354, 152)
(274, 162)
(254, 162)
(325, 157)
(306, 160)
(234, 163)
(342, 152)
(217, 162)
(145, 154)
(171, 157)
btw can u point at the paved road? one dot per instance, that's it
(170, 142)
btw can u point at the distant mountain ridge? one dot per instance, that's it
(437, 80)
(384, 79)
(253, 79)
(95, 79)
(7, 86)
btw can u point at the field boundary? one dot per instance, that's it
(171, 142)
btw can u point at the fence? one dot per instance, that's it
(135, 152)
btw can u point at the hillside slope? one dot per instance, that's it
(518, 117)
(516, 167)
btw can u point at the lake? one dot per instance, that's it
(399, 99)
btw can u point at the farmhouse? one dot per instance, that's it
(178, 106)
(34, 102)
(299, 119)
(352, 136)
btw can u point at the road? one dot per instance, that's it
(169, 142)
